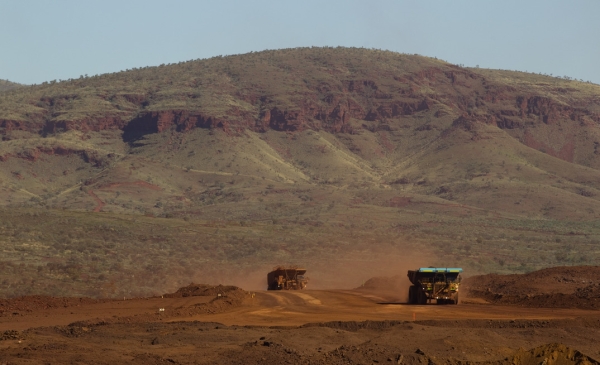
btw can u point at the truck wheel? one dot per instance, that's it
(421, 296)
(411, 295)
(456, 300)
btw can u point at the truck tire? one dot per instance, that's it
(411, 295)
(456, 299)
(421, 296)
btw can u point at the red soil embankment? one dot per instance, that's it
(557, 287)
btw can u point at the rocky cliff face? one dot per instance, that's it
(296, 90)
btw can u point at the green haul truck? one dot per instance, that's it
(434, 283)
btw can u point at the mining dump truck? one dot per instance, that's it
(282, 278)
(434, 283)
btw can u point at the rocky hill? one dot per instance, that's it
(307, 117)
(362, 146)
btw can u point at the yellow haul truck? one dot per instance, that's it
(282, 278)
(434, 283)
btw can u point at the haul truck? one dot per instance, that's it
(286, 279)
(434, 283)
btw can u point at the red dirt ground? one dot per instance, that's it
(202, 324)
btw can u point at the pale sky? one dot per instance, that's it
(46, 40)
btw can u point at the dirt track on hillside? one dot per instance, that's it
(228, 325)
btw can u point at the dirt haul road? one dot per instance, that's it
(326, 327)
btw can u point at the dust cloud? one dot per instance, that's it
(381, 275)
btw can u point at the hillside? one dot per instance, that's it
(354, 150)
(7, 85)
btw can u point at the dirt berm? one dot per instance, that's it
(223, 297)
(557, 287)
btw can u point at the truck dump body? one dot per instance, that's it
(286, 279)
(434, 283)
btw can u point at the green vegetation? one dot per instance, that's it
(104, 255)
(8, 85)
(220, 87)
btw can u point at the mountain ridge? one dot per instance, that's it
(397, 85)
(371, 110)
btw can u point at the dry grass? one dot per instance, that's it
(110, 255)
